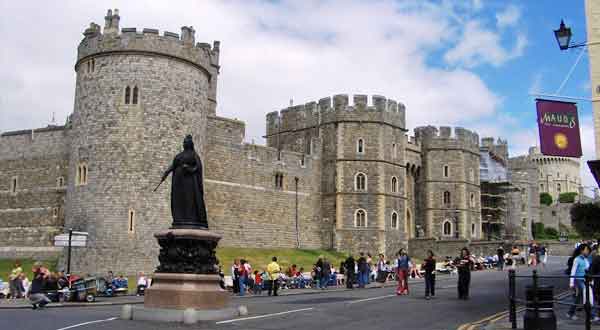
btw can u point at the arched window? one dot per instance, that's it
(394, 184)
(447, 228)
(60, 182)
(360, 146)
(472, 200)
(360, 182)
(55, 212)
(82, 172)
(135, 95)
(446, 171)
(446, 198)
(473, 230)
(278, 180)
(360, 218)
(394, 151)
(131, 221)
(394, 220)
(127, 95)
(541, 187)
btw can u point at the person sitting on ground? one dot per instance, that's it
(36, 295)
(142, 284)
(120, 283)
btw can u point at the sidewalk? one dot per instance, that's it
(100, 301)
(563, 323)
(126, 300)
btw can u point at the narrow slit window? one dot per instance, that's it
(135, 95)
(131, 221)
(13, 185)
(127, 95)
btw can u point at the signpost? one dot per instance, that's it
(71, 239)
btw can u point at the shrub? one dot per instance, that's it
(551, 233)
(567, 197)
(545, 198)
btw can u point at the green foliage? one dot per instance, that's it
(545, 198)
(567, 197)
(260, 258)
(550, 233)
(541, 232)
(586, 219)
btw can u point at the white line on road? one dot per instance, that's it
(374, 298)
(262, 316)
(86, 323)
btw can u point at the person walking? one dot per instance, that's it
(36, 296)
(363, 271)
(464, 264)
(243, 277)
(381, 270)
(516, 256)
(403, 265)
(543, 255)
(318, 269)
(370, 267)
(235, 276)
(273, 271)
(500, 254)
(350, 265)
(429, 267)
(325, 274)
(581, 264)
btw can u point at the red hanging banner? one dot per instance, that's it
(559, 128)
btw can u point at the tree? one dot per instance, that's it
(567, 197)
(545, 198)
(586, 219)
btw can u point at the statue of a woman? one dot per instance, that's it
(187, 189)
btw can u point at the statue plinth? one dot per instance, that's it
(187, 276)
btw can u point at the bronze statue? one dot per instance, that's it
(187, 189)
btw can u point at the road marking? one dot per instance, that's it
(369, 299)
(86, 323)
(262, 316)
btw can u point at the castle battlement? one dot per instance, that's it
(443, 137)
(337, 109)
(97, 43)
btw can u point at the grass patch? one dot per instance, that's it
(7, 265)
(260, 258)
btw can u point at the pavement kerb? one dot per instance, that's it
(492, 319)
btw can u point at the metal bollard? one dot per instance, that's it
(539, 313)
(511, 294)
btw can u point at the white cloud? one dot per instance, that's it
(479, 45)
(509, 17)
(270, 52)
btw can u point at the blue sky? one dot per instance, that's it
(470, 63)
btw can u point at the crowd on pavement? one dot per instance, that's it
(360, 271)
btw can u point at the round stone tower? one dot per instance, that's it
(137, 95)
(364, 173)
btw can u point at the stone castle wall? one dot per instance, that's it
(243, 202)
(32, 213)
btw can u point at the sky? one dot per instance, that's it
(469, 63)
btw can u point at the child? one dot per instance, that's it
(257, 289)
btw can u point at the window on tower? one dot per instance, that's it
(360, 146)
(394, 184)
(127, 95)
(394, 220)
(360, 218)
(131, 221)
(135, 95)
(446, 171)
(360, 182)
(446, 198)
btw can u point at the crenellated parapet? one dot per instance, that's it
(338, 109)
(431, 137)
(147, 41)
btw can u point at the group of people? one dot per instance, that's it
(584, 260)
(246, 280)
(43, 280)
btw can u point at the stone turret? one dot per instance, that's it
(137, 95)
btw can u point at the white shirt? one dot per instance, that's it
(142, 281)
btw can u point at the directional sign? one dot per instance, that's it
(76, 240)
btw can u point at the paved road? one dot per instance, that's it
(357, 309)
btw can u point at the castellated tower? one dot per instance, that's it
(450, 186)
(137, 95)
(364, 167)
